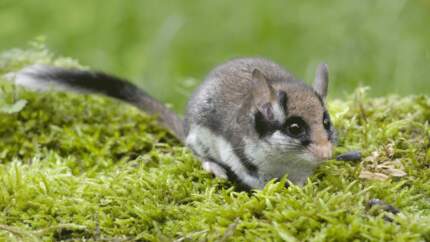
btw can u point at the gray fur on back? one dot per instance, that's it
(224, 96)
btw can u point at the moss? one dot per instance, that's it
(88, 167)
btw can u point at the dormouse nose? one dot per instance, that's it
(322, 151)
(321, 146)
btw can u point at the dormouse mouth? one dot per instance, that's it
(307, 158)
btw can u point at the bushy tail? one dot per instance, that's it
(42, 77)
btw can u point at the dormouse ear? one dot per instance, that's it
(321, 80)
(263, 94)
(262, 90)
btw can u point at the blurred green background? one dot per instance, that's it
(168, 47)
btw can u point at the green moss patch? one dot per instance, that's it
(84, 167)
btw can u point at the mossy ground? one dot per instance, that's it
(80, 167)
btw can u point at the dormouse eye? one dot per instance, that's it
(295, 127)
(326, 121)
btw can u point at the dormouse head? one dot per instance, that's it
(291, 117)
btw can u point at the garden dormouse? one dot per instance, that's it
(249, 121)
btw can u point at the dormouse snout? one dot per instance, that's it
(322, 151)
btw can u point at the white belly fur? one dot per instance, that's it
(205, 143)
(274, 163)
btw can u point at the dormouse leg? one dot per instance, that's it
(215, 169)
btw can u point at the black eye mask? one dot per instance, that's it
(283, 100)
(264, 121)
(263, 126)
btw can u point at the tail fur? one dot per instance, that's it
(42, 77)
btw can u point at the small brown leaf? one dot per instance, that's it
(394, 172)
(373, 175)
